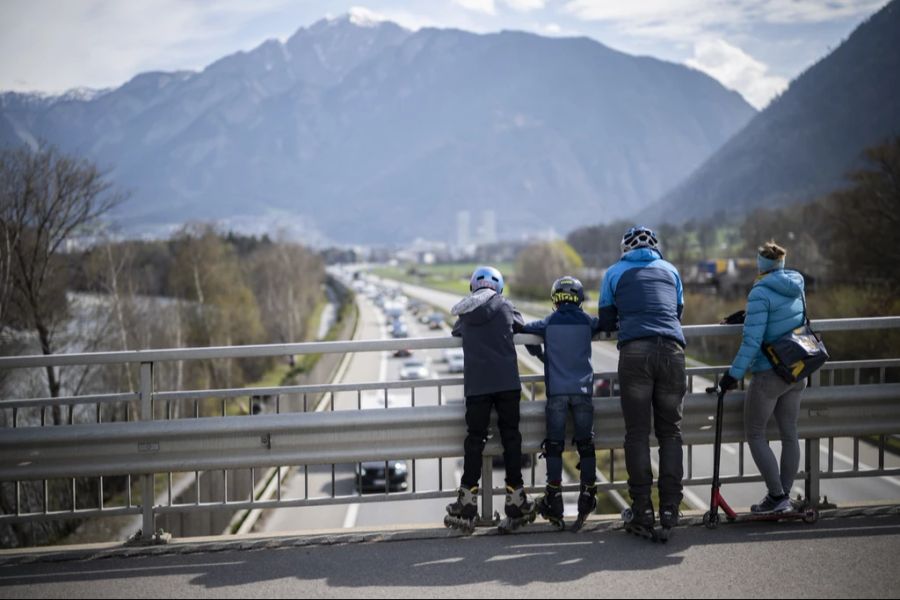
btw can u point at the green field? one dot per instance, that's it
(453, 278)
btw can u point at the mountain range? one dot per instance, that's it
(804, 143)
(365, 132)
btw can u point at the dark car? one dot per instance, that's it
(370, 476)
(603, 389)
(435, 321)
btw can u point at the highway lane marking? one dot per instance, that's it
(57, 574)
(352, 513)
(862, 466)
(694, 500)
(351, 516)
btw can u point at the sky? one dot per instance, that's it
(754, 47)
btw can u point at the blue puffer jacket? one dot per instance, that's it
(567, 334)
(774, 307)
(642, 297)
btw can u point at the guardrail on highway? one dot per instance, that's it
(156, 443)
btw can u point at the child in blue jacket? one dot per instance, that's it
(569, 378)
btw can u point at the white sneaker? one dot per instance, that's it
(770, 505)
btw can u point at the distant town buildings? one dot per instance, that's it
(469, 236)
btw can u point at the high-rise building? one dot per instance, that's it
(463, 229)
(487, 231)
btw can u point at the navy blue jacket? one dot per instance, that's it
(486, 322)
(567, 334)
(641, 296)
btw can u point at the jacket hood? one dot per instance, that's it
(642, 255)
(478, 307)
(785, 283)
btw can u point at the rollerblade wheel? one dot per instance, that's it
(810, 516)
(448, 523)
(710, 520)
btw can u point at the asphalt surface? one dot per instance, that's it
(833, 558)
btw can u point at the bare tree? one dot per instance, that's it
(47, 199)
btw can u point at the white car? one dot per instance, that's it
(456, 364)
(454, 358)
(451, 353)
(414, 369)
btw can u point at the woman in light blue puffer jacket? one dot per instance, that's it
(774, 307)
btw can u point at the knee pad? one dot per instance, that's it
(552, 448)
(586, 448)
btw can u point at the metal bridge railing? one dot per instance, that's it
(419, 421)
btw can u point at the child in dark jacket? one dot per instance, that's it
(569, 378)
(486, 324)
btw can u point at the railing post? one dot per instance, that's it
(487, 490)
(148, 525)
(813, 469)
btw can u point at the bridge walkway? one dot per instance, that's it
(849, 552)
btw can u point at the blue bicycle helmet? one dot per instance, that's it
(486, 277)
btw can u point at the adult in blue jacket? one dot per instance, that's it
(774, 307)
(641, 296)
(569, 378)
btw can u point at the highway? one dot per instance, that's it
(428, 475)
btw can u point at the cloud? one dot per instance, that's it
(682, 19)
(552, 29)
(483, 6)
(54, 46)
(737, 70)
(360, 15)
(525, 5)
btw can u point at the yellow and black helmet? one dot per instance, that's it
(567, 289)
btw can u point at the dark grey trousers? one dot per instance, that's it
(653, 383)
(769, 395)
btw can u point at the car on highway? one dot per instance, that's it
(455, 360)
(392, 311)
(603, 388)
(402, 353)
(399, 329)
(456, 365)
(435, 321)
(370, 476)
(414, 369)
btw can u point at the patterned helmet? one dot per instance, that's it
(486, 277)
(567, 289)
(639, 237)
